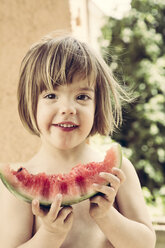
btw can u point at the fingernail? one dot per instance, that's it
(35, 202)
(114, 168)
(59, 196)
(102, 173)
(94, 184)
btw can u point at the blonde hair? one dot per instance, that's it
(55, 61)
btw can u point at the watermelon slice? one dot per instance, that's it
(75, 186)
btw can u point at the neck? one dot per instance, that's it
(63, 154)
(53, 160)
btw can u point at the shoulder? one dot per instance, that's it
(126, 164)
(130, 198)
(128, 168)
(132, 179)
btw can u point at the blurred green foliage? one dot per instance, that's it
(155, 201)
(134, 47)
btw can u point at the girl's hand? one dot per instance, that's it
(57, 220)
(100, 204)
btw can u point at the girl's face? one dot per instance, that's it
(65, 115)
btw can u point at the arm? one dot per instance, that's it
(17, 223)
(130, 225)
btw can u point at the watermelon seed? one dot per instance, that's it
(20, 169)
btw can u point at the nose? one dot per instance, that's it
(68, 109)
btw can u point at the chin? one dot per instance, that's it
(64, 146)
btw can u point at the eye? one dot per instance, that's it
(83, 97)
(51, 96)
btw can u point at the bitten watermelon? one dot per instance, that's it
(75, 186)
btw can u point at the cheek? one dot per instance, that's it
(93, 109)
(44, 117)
(88, 117)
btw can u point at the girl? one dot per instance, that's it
(65, 95)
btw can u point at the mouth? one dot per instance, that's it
(66, 126)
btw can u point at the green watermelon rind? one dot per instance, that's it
(43, 203)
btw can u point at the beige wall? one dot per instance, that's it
(22, 22)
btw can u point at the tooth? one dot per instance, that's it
(66, 125)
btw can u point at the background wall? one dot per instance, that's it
(22, 23)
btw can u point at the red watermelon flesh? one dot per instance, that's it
(74, 186)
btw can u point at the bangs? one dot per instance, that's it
(59, 62)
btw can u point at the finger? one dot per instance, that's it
(119, 173)
(112, 179)
(69, 219)
(55, 208)
(105, 190)
(36, 208)
(63, 214)
(109, 193)
(99, 201)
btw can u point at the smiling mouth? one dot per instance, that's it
(66, 126)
